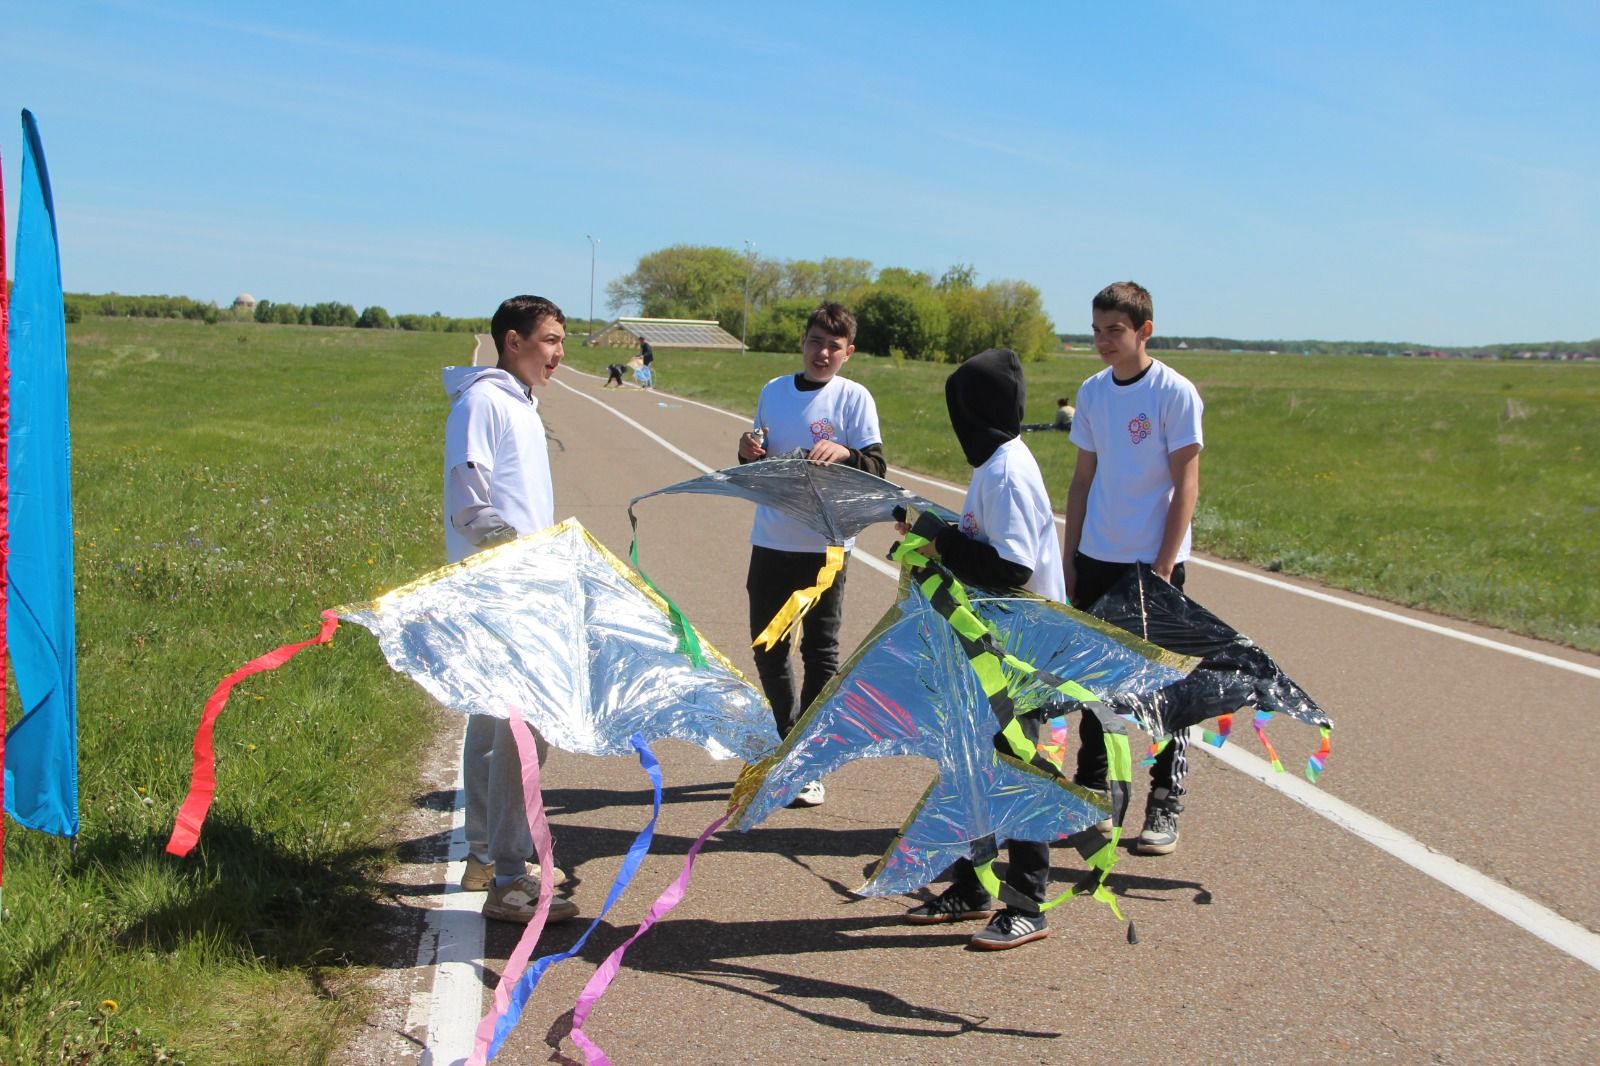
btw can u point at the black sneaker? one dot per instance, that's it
(1160, 833)
(950, 906)
(1010, 929)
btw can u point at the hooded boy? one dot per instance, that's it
(1006, 539)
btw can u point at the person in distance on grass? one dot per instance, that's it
(1131, 501)
(1006, 539)
(496, 488)
(831, 420)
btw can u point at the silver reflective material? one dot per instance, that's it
(835, 500)
(555, 628)
(911, 690)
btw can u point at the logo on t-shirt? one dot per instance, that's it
(969, 524)
(1139, 427)
(822, 429)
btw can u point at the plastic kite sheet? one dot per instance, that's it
(559, 630)
(834, 500)
(1234, 672)
(910, 690)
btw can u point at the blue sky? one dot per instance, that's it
(1398, 171)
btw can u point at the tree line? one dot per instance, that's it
(327, 313)
(898, 311)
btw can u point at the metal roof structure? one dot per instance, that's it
(667, 333)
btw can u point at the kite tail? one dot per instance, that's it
(801, 601)
(1260, 723)
(607, 970)
(203, 777)
(688, 639)
(527, 982)
(1319, 761)
(1224, 730)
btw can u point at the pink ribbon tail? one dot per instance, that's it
(528, 752)
(602, 977)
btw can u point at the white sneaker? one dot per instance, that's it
(813, 795)
(518, 900)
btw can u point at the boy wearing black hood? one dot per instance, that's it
(1006, 539)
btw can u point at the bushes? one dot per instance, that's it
(779, 326)
(913, 320)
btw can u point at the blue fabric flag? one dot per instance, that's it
(41, 770)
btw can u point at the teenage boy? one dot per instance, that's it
(829, 419)
(1007, 539)
(1132, 498)
(497, 488)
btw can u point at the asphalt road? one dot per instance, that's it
(1271, 934)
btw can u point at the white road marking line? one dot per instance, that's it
(1284, 586)
(452, 944)
(1561, 933)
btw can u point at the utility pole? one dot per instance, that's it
(592, 242)
(744, 319)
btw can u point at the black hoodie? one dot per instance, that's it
(985, 396)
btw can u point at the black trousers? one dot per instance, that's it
(773, 577)
(1027, 871)
(1095, 578)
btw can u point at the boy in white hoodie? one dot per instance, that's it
(496, 488)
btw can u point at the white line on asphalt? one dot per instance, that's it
(1284, 586)
(452, 944)
(1561, 933)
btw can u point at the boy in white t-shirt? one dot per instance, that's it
(830, 419)
(497, 488)
(1006, 539)
(1132, 499)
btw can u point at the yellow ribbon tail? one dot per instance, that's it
(801, 601)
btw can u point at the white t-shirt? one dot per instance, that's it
(1007, 506)
(495, 425)
(1132, 429)
(841, 411)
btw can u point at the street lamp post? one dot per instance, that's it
(592, 242)
(744, 319)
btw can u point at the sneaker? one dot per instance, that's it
(1160, 833)
(1103, 826)
(1010, 929)
(813, 795)
(517, 900)
(478, 875)
(949, 906)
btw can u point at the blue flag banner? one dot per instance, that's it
(41, 746)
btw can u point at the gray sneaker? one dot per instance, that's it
(518, 900)
(1160, 833)
(1010, 929)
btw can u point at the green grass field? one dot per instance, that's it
(1472, 489)
(232, 480)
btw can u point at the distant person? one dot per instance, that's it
(1062, 422)
(497, 488)
(646, 353)
(1131, 501)
(831, 420)
(1006, 539)
(614, 374)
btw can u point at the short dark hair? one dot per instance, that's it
(1129, 297)
(1064, 401)
(521, 313)
(834, 320)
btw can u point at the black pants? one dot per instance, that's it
(1095, 578)
(774, 576)
(1027, 871)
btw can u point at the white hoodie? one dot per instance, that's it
(496, 461)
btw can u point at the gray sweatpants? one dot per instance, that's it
(491, 773)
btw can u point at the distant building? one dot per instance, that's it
(667, 333)
(1183, 346)
(244, 302)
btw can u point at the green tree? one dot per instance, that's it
(913, 320)
(684, 281)
(901, 278)
(374, 317)
(959, 276)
